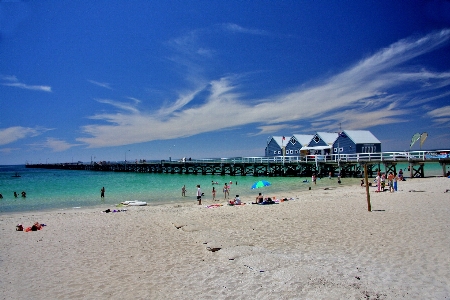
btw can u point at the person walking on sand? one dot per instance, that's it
(214, 193)
(199, 195)
(102, 192)
(314, 178)
(183, 191)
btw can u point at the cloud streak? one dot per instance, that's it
(14, 82)
(101, 84)
(55, 145)
(231, 27)
(359, 97)
(12, 134)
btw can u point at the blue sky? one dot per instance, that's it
(201, 79)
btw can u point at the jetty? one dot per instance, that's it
(346, 165)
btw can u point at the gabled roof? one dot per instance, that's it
(361, 136)
(279, 140)
(303, 139)
(328, 137)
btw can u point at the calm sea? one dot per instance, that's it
(69, 189)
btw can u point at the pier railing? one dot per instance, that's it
(271, 166)
(357, 157)
(435, 155)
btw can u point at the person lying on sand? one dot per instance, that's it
(268, 201)
(36, 226)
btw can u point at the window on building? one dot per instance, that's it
(316, 139)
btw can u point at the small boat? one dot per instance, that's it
(16, 175)
(134, 203)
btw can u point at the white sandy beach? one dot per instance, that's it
(323, 245)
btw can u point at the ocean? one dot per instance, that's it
(71, 189)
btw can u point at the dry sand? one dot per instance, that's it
(323, 245)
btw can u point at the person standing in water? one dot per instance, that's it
(102, 192)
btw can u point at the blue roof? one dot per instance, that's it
(279, 140)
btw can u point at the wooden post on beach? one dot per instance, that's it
(366, 177)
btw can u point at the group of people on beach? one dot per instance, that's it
(24, 195)
(226, 191)
(392, 181)
(35, 227)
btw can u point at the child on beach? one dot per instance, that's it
(378, 180)
(214, 194)
(383, 182)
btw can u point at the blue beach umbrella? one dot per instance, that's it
(260, 184)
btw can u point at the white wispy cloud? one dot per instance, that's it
(101, 84)
(232, 27)
(265, 130)
(11, 80)
(359, 97)
(55, 145)
(440, 115)
(12, 134)
(58, 145)
(8, 150)
(120, 105)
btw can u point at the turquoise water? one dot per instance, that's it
(66, 189)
